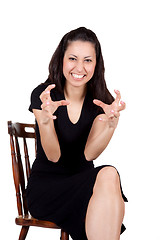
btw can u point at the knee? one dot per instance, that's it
(108, 176)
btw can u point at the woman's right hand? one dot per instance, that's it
(48, 106)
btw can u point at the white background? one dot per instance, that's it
(129, 32)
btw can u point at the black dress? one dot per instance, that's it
(60, 192)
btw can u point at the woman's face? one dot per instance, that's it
(79, 63)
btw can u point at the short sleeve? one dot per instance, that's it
(35, 98)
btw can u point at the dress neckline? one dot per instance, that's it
(81, 113)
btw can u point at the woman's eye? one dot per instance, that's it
(88, 60)
(72, 59)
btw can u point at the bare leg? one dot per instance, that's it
(106, 207)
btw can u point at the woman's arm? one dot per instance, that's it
(44, 117)
(48, 137)
(103, 127)
(98, 139)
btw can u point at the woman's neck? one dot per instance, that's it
(75, 94)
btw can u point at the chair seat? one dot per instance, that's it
(30, 221)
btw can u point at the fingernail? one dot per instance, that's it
(47, 103)
(47, 92)
(117, 91)
(122, 102)
(112, 111)
(54, 117)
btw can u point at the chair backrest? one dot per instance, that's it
(23, 131)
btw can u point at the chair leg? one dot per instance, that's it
(64, 235)
(23, 233)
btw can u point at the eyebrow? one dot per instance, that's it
(88, 57)
(84, 57)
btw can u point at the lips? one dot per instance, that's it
(78, 76)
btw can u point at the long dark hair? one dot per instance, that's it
(97, 85)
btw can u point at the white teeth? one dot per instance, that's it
(77, 76)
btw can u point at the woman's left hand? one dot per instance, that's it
(112, 111)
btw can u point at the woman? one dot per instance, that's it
(76, 117)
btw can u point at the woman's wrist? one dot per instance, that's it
(110, 124)
(44, 119)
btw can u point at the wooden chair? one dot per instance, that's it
(17, 131)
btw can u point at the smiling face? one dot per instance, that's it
(79, 63)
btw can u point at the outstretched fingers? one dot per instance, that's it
(62, 103)
(118, 96)
(99, 103)
(112, 111)
(115, 114)
(45, 95)
(46, 106)
(51, 116)
(122, 106)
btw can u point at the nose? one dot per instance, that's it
(79, 66)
